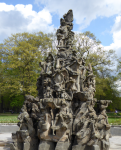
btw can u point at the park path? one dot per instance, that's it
(115, 142)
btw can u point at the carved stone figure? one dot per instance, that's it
(63, 116)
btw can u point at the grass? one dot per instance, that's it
(8, 118)
(114, 114)
(114, 121)
(12, 118)
(114, 118)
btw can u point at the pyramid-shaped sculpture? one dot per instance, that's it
(63, 117)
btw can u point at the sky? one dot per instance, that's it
(101, 17)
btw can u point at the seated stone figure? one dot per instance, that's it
(62, 118)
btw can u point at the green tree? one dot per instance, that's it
(119, 69)
(20, 57)
(54, 41)
(88, 47)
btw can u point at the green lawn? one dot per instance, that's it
(8, 118)
(114, 114)
(114, 121)
(114, 118)
(12, 118)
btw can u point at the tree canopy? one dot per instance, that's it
(88, 47)
(20, 56)
(21, 53)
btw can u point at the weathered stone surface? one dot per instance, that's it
(63, 114)
(46, 145)
(63, 146)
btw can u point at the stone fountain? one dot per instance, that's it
(62, 116)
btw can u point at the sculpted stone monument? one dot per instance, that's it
(63, 117)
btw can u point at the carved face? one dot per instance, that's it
(58, 77)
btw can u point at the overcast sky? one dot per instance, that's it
(101, 17)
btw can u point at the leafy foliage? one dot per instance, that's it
(20, 56)
(21, 53)
(88, 47)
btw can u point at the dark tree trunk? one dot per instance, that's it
(2, 107)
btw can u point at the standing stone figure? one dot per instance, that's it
(62, 116)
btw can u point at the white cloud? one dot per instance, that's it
(21, 18)
(116, 32)
(84, 10)
(118, 84)
(4, 7)
(88, 10)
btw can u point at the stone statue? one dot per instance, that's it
(62, 116)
